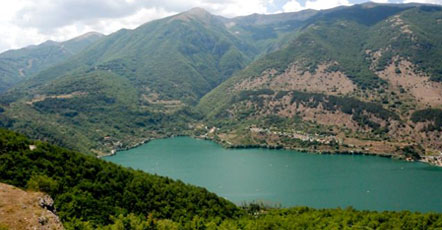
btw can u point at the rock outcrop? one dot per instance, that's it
(24, 210)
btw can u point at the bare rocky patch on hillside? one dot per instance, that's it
(322, 80)
(397, 22)
(403, 74)
(39, 98)
(23, 210)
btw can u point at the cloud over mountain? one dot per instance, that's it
(25, 22)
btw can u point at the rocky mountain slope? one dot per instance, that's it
(346, 83)
(19, 65)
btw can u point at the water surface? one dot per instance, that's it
(291, 178)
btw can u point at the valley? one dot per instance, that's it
(337, 109)
(295, 76)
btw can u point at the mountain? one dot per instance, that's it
(269, 32)
(18, 65)
(363, 79)
(135, 84)
(90, 193)
(180, 57)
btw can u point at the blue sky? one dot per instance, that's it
(26, 22)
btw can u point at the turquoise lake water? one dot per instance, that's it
(291, 178)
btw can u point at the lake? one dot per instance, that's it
(291, 178)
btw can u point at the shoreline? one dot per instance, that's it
(145, 141)
(430, 160)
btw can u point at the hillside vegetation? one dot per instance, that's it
(354, 79)
(87, 189)
(134, 85)
(19, 65)
(347, 79)
(90, 193)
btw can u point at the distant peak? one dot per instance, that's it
(88, 35)
(93, 33)
(194, 13)
(49, 43)
(197, 11)
(371, 4)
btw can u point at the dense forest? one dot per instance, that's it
(89, 189)
(90, 193)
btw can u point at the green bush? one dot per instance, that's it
(432, 115)
(42, 183)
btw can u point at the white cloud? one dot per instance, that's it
(295, 5)
(424, 1)
(292, 6)
(325, 4)
(380, 1)
(25, 22)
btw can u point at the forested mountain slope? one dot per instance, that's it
(137, 84)
(19, 65)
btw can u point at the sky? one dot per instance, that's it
(27, 22)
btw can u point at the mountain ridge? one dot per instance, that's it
(180, 74)
(19, 64)
(303, 90)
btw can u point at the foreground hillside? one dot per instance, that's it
(346, 83)
(86, 189)
(90, 193)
